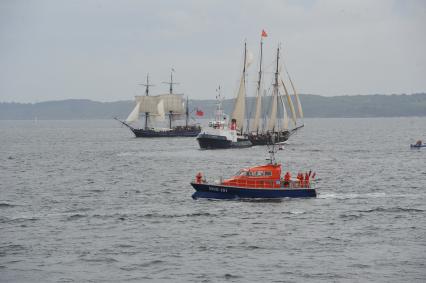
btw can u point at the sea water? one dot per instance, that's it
(86, 201)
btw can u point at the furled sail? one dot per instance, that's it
(239, 107)
(273, 117)
(134, 115)
(290, 103)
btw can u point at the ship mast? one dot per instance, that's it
(260, 65)
(171, 83)
(273, 116)
(276, 78)
(276, 71)
(147, 85)
(238, 114)
(259, 94)
(187, 112)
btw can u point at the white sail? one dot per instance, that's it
(289, 102)
(148, 104)
(273, 117)
(299, 105)
(249, 58)
(134, 115)
(240, 103)
(160, 110)
(285, 116)
(172, 103)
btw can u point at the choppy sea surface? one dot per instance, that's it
(86, 201)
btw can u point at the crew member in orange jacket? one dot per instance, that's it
(287, 178)
(300, 178)
(307, 180)
(198, 178)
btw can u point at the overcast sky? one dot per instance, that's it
(101, 50)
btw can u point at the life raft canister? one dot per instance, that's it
(199, 177)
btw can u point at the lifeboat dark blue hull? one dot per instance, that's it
(226, 192)
(417, 145)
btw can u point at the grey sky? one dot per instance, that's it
(101, 50)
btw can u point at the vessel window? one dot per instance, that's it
(268, 173)
(260, 173)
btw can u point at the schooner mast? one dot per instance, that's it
(239, 107)
(258, 109)
(273, 116)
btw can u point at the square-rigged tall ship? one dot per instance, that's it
(155, 108)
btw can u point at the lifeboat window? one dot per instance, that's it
(241, 173)
(268, 173)
(258, 173)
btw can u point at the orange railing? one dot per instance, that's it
(268, 184)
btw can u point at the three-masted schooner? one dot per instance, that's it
(272, 131)
(156, 108)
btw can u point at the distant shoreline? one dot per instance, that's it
(314, 106)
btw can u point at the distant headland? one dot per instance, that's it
(314, 106)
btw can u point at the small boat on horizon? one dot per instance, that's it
(262, 181)
(418, 144)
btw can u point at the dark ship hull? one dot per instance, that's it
(189, 131)
(268, 138)
(208, 141)
(227, 192)
(178, 131)
(265, 139)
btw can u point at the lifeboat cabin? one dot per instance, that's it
(256, 182)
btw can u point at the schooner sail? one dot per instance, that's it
(296, 95)
(238, 113)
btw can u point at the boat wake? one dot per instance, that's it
(351, 196)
